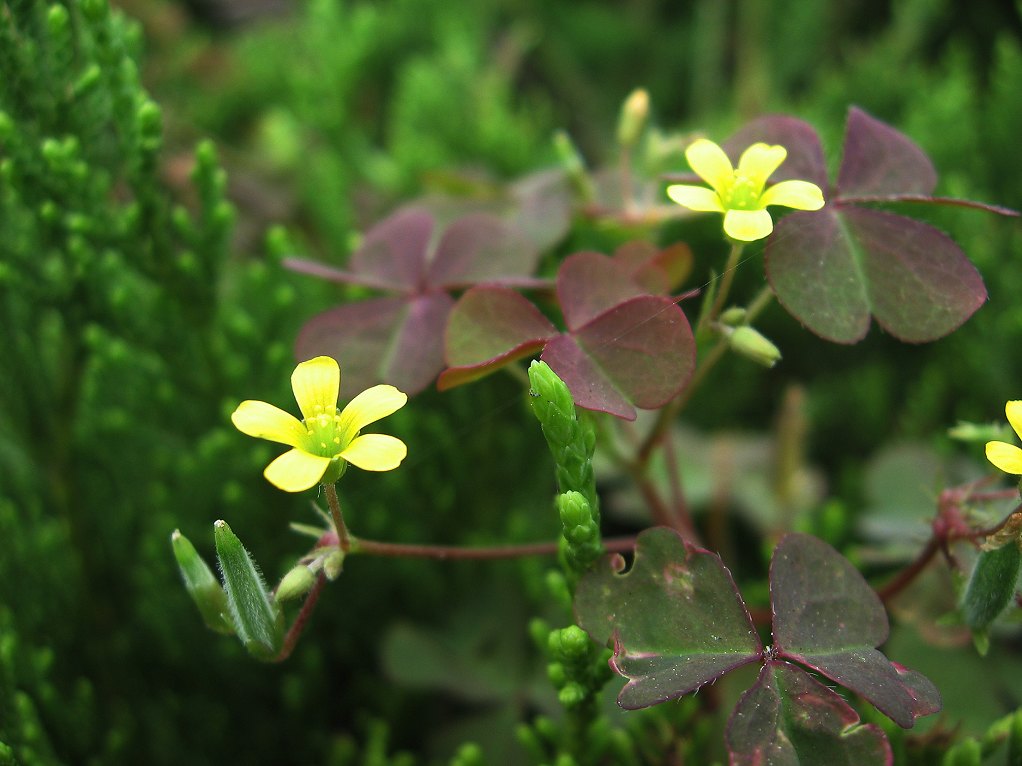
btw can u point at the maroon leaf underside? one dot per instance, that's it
(835, 268)
(878, 160)
(827, 617)
(787, 718)
(393, 340)
(400, 340)
(589, 284)
(480, 247)
(675, 617)
(488, 328)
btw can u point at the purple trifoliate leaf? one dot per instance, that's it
(834, 268)
(544, 206)
(676, 619)
(393, 340)
(827, 617)
(394, 251)
(480, 247)
(878, 160)
(789, 719)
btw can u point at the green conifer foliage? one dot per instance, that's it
(125, 329)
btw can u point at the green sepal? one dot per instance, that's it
(990, 589)
(202, 585)
(294, 584)
(258, 621)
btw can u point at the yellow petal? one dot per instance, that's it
(759, 161)
(264, 421)
(1013, 410)
(368, 407)
(695, 198)
(375, 452)
(316, 384)
(1007, 457)
(747, 225)
(710, 163)
(296, 471)
(801, 195)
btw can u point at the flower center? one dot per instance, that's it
(744, 194)
(324, 435)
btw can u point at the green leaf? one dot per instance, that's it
(258, 621)
(789, 719)
(676, 618)
(202, 585)
(992, 586)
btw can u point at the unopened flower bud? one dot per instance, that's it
(574, 165)
(557, 675)
(734, 316)
(573, 509)
(570, 643)
(634, 112)
(333, 564)
(748, 342)
(295, 583)
(571, 694)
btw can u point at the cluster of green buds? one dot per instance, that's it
(580, 545)
(572, 440)
(578, 667)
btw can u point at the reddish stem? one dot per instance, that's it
(454, 552)
(905, 577)
(295, 631)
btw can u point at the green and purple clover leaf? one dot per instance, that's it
(623, 347)
(677, 622)
(835, 268)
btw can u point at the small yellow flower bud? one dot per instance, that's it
(634, 112)
(748, 342)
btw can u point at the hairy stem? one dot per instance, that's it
(343, 538)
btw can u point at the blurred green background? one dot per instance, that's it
(156, 162)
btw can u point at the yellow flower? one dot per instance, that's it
(739, 194)
(326, 440)
(1008, 457)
